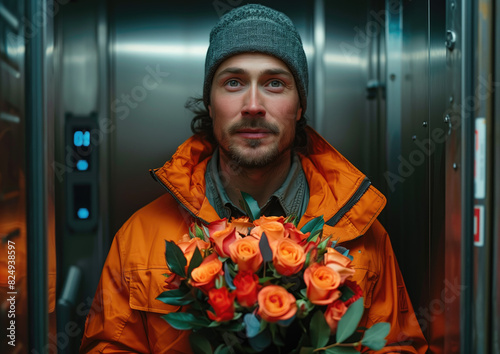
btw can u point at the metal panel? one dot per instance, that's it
(467, 176)
(451, 329)
(349, 32)
(435, 148)
(495, 338)
(13, 236)
(408, 201)
(481, 108)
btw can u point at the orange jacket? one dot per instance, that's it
(125, 316)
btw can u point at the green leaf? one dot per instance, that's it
(176, 297)
(265, 249)
(306, 350)
(175, 259)
(320, 331)
(322, 244)
(199, 232)
(293, 219)
(347, 293)
(223, 349)
(185, 320)
(228, 277)
(206, 232)
(313, 225)
(308, 258)
(263, 280)
(374, 337)
(341, 350)
(349, 322)
(312, 237)
(233, 326)
(250, 206)
(200, 344)
(195, 261)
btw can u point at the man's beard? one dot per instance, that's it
(244, 158)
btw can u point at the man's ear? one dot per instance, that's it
(210, 111)
(299, 114)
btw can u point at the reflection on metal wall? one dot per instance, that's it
(13, 251)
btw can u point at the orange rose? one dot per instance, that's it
(295, 234)
(217, 225)
(265, 219)
(339, 263)
(246, 253)
(223, 303)
(173, 282)
(188, 248)
(242, 224)
(203, 277)
(223, 239)
(288, 257)
(274, 231)
(276, 304)
(247, 287)
(322, 284)
(334, 313)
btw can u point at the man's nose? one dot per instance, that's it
(253, 106)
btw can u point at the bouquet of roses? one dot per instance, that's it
(259, 284)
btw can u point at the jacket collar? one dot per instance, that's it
(337, 188)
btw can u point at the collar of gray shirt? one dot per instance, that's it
(289, 199)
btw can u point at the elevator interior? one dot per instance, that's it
(404, 89)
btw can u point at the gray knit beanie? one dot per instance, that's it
(256, 28)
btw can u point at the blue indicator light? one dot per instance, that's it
(78, 138)
(83, 213)
(86, 139)
(82, 165)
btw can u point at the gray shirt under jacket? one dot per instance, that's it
(289, 199)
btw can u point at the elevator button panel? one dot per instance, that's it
(82, 146)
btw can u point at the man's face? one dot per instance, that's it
(254, 105)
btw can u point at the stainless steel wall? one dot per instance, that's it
(382, 84)
(12, 169)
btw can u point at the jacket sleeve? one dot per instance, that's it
(390, 301)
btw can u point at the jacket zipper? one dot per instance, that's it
(157, 179)
(350, 203)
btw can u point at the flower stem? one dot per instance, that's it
(338, 345)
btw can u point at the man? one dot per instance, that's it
(253, 138)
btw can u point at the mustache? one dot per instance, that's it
(254, 124)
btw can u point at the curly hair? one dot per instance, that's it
(202, 123)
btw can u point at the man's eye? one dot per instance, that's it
(276, 83)
(233, 83)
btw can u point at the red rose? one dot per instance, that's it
(223, 303)
(247, 288)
